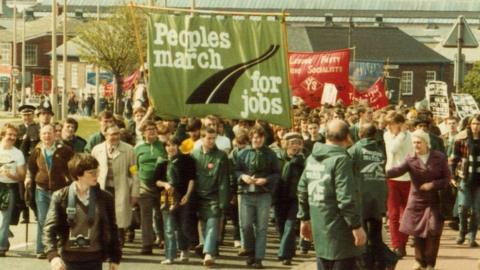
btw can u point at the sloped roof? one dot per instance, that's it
(72, 48)
(374, 44)
(345, 8)
(431, 5)
(39, 27)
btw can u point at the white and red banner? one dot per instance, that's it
(375, 95)
(310, 71)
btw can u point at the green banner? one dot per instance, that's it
(235, 68)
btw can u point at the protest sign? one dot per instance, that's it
(465, 105)
(375, 96)
(329, 94)
(392, 89)
(309, 72)
(437, 97)
(231, 67)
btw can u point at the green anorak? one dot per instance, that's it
(212, 184)
(291, 171)
(326, 194)
(369, 172)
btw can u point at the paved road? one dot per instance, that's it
(451, 256)
(21, 256)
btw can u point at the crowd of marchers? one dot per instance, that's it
(330, 184)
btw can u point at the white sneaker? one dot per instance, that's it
(236, 244)
(429, 268)
(184, 256)
(208, 260)
(417, 266)
(167, 262)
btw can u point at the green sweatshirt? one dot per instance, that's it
(147, 157)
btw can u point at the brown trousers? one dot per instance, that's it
(426, 250)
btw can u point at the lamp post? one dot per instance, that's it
(97, 73)
(53, 93)
(64, 58)
(14, 70)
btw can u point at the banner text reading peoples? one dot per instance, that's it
(234, 68)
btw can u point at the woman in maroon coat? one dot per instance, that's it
(422, 219)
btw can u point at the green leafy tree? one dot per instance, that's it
(111, 44)
(471, 83)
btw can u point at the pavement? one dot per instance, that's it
(21, 255)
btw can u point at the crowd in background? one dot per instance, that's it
(328, 183)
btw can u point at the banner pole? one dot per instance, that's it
(137, 34)
(285, 43)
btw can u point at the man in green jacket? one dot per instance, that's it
(212, 189)
(369, 171)
(328, 207)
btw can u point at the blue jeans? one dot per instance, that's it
(5, 217)
(286, 220)
(210, 234)
(176, 230)
(468, 199)
(42, 198)
(254, 214)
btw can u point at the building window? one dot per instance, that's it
(406, 84)
(30, 54)
(431, 75)
(74, 75)
(5, 53)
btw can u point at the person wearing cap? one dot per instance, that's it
(44, 114)
(257, 171)
(422, 217)
(285, 200)
(424, 123)
(28, 130)
(369, 171)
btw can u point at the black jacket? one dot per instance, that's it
(56, 225)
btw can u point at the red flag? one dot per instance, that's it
(128, 82)
(42, 84)
(310, 71)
